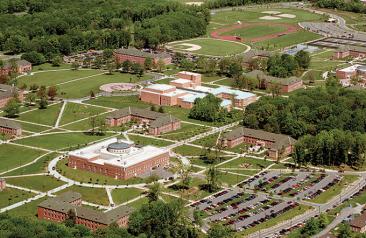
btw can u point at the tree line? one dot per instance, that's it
(351, 6)
(234, 3)
(63, 27)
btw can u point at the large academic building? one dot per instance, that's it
(9, 127)
(137, 56)
(119, 159)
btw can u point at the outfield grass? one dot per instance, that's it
(10, 196)
(211, 47)
(149, 141)
(39, 183)
(60, 140)
(335, 189)
(90, 177)
(55, 77)
(254, 163)
(94, 195)
(255, 31)
(82, 88)
(12, 156)
(38, 167)
(46, 116)
(122, 195)
(186, 131)
(76, 111)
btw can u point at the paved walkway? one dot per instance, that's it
(60, 114)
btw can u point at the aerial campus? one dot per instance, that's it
(183, 118)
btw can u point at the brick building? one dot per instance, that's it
(278, 145)
(287, 84)
(22, 66)
(9, 127)
(68, 206)
(158, 123)
(7, 92)
(119, 159)
(346, 74)
(138, 56)
(187, 80)
(2, 184)
(351, 51)
(358, 224)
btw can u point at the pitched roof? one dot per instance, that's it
(20, 62)
(158, 119)
(135, 52)
(271, 79)
(279, 140)
(359, 221)
(69, 196)
(9, 124)
(7, 91)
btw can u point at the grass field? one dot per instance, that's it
(82, 88)
(38, 167)
(49, 78)
(94, 195)
(48, 66)
(186, 131)
(253, 163)
(10, 196)
(75, 111)
(118, 102)
(12, 156)
(211, 47)
(138, 203)
(149, 141)
(32, 127)
(28, 210)
(60, 140)
(187, 150)
(39, 183)
(46, 116)
(255, 31)
(122, 195)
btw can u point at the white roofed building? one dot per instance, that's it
(117, 158)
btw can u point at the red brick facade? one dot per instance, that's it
(139, 57)
(22, 67)
(10, 131)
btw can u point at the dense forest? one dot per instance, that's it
(310, 111)
(66, 26)
(232, 3)
(345, 5)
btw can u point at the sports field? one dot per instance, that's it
(210, 47)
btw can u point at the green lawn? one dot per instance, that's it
(255, 31)
(46, 116)
(122, 195)
(242, 171)
(207, 141)
(118, 102)
(48, 66)
(55, 77)
(138, 203)
(320, 64)
(39, 183)
(187, 150)
(90, 177)
(83, 125)
(94, 195)
(230, 179)
(82, 88)
(186, 131)
(60, 140)
(211, 47)
(335, 189)
(253, 163)
(10, 196)
(32, 127)
(149, 141)
(75, 111)
(12, 156)
(38, 167)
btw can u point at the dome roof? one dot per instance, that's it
(118, 146)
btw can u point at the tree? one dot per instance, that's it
(42, 92)
(56, 61)
(187, 64)
(126, 66)
(75, 65)
(12, 107)
(43, 103)
(160, 66)
(161, 109)
(31, 98)
(92, 94)
(107, 54)
(154, 192)
(148, 64)
(93, 122)
(344, 231)
(207, 109)
(303, 59)
(153, 108)
(219, 231)
(274, 88)
(111, 67)
(202, 64)
(136, 68)
(212, 177)
(33, 87)
(34, 57)
(52, 92)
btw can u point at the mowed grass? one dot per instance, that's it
(49, 78)
(118, 102)
(94, 195)
(38, 167)
(75, 111)
(252, 163)
(12, 156)
(122, 195)
(82, 88)
(46, 116)
(10, 196)
(39, 183)
(142, 140)
(48, 66)
(32, 127)
(186, 131)
(59, 141)
(255, 31)
(211, 47)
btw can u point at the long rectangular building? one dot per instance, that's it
(277, 144)
(9, 127)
